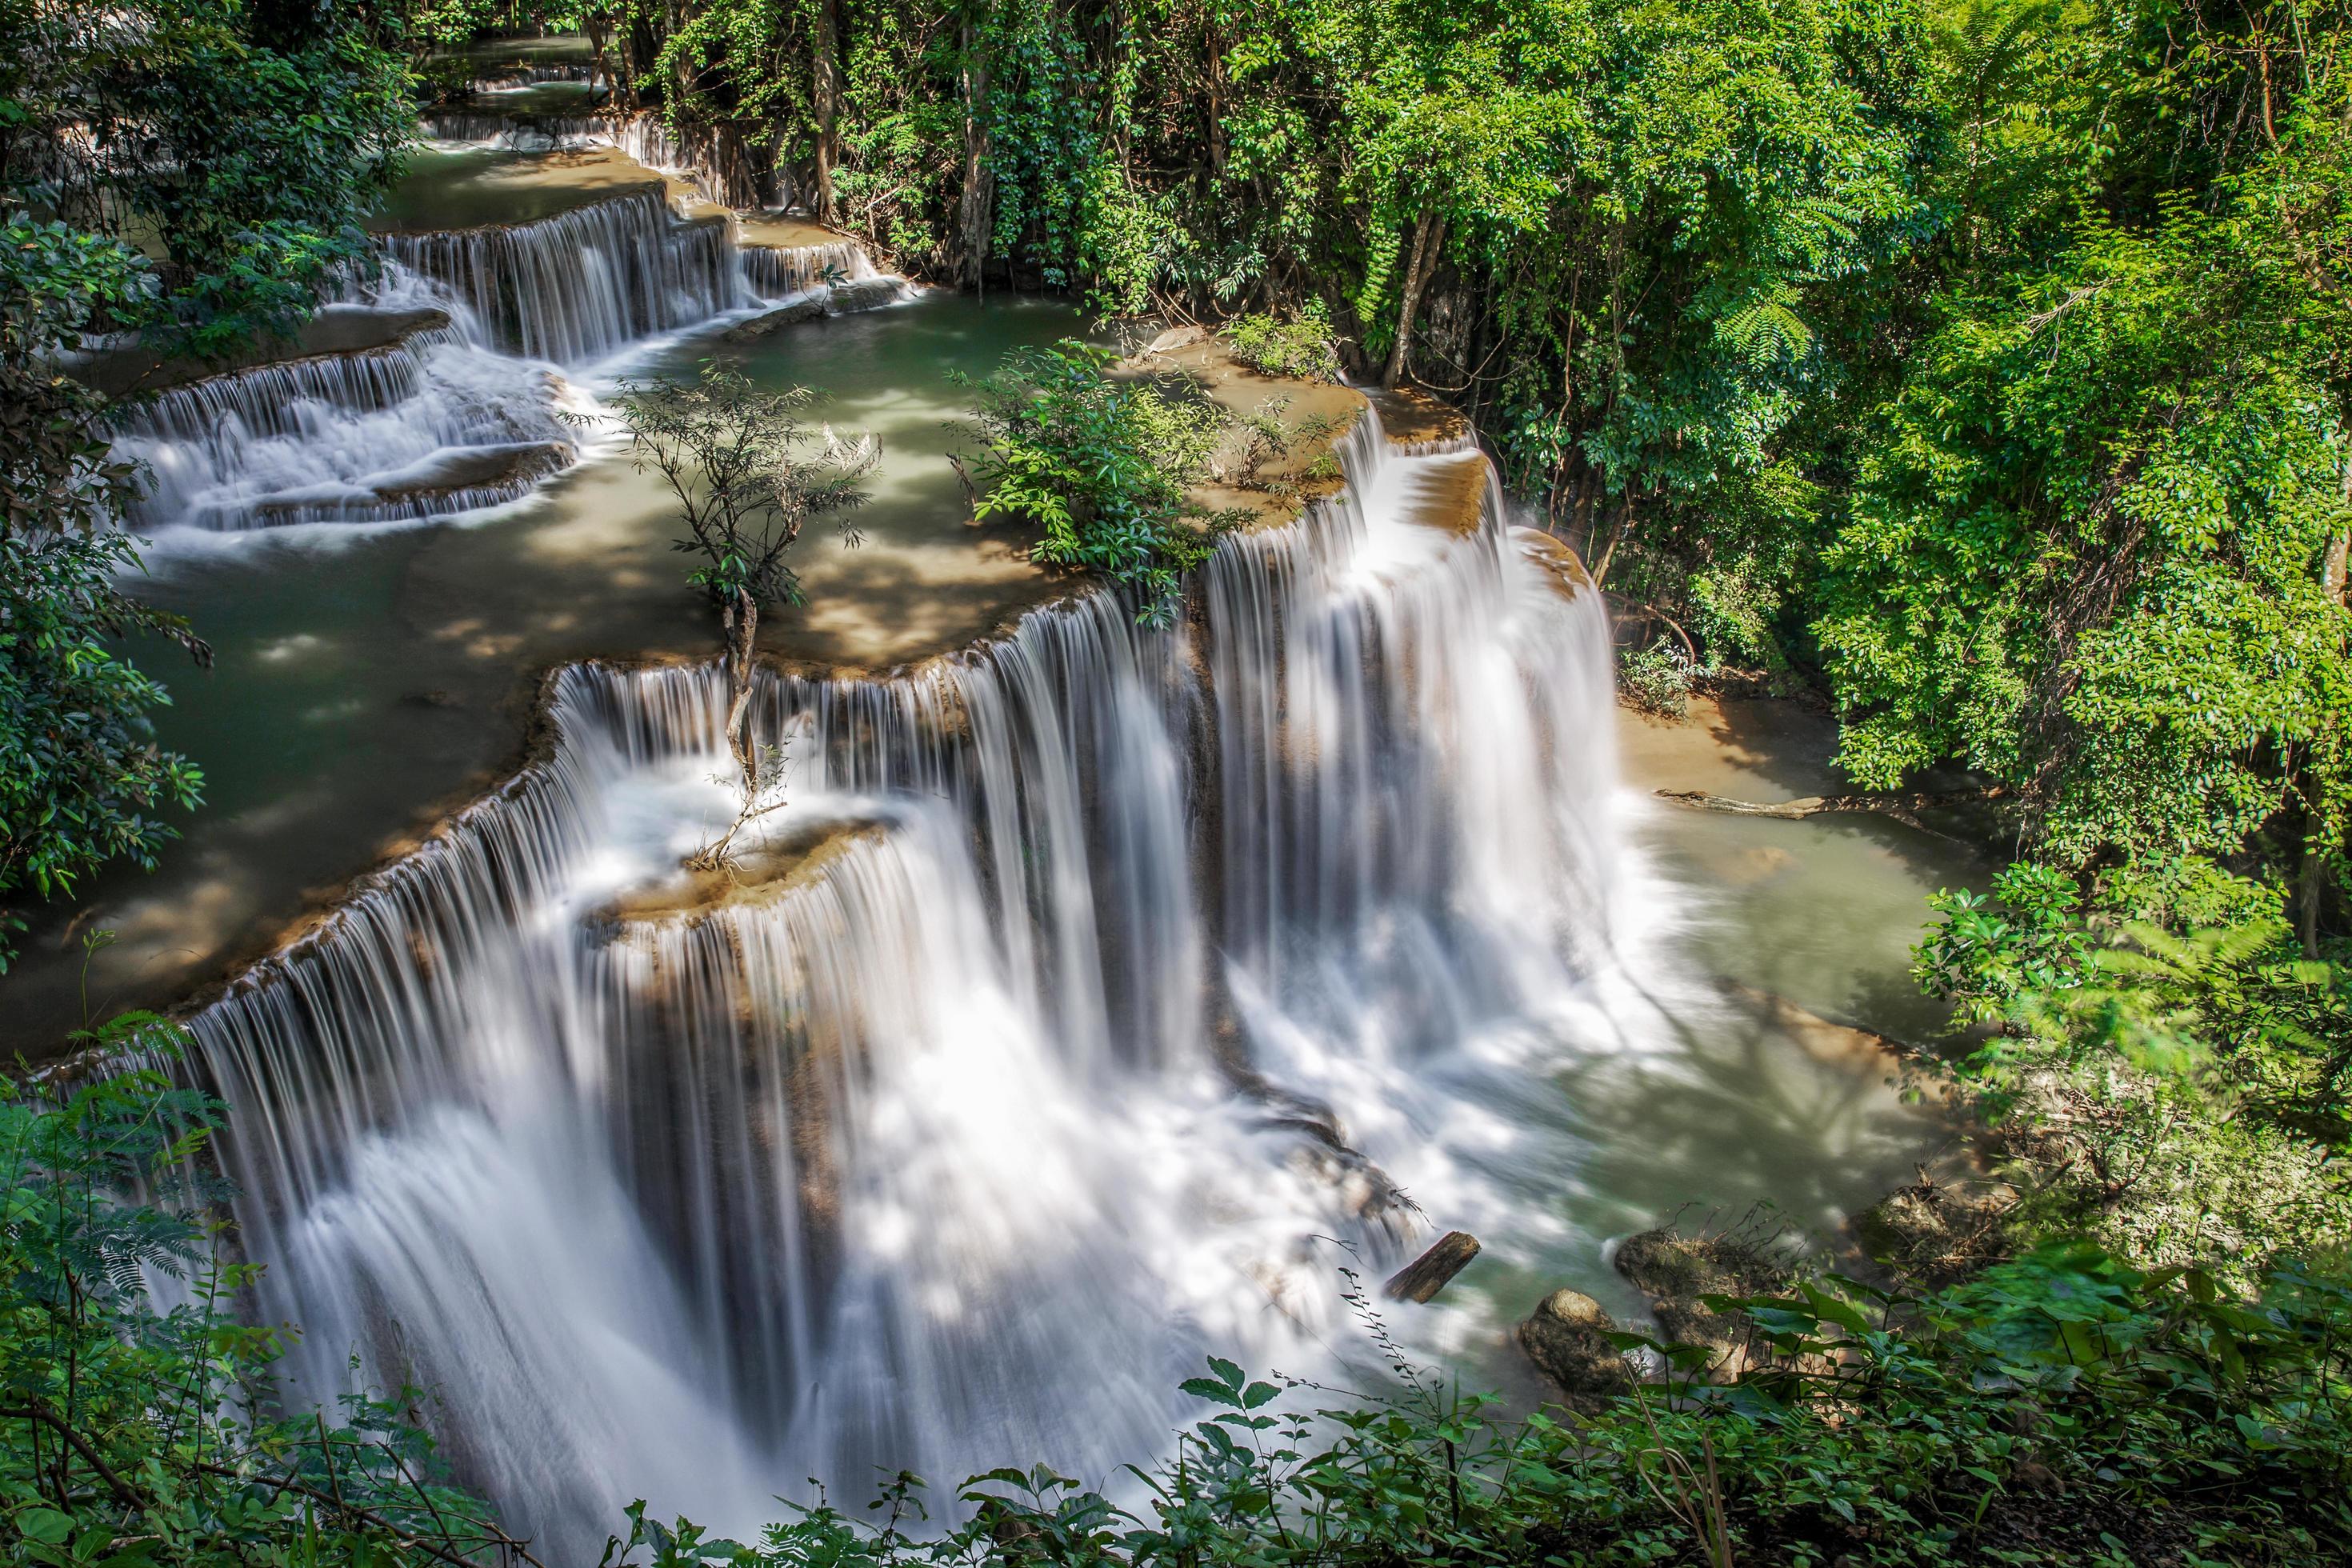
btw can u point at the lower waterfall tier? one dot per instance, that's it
(1087, 1007)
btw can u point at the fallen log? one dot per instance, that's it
(1425, 1276)
(1901, 806)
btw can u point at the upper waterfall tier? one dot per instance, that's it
(580, 285)
(463, 408)
(672, 1190)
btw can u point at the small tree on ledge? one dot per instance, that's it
(748, 474)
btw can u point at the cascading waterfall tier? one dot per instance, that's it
(463, 408)
(583, 284)
(480, 128)
(779, 271)
(1030, 1036)
(425, 425)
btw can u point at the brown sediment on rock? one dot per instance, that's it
(338, 332)
(760, 326)
(1564, 571)
(1451, 496)
(1286, 484)
(759, 876)
(1418, 422)
(779, 231)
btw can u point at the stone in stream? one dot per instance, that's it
(1567, 1336)
(865, 294)
(1425, 1276)
(1674, 1271)
(809, 310)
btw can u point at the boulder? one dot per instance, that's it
(1674, 1271)
(1932, 1233)
(791, 315)
(865, 294)
(1567, 1336)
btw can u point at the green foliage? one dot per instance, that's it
(1100, 463)
(133, 1433)
(1657, 679)
(82, 781)
(1872, 1427)
(238, 144)
(2177, 968)
(2173, 1068)
(1298, 348)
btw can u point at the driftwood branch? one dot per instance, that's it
(1425, 1276)
(1902, 805)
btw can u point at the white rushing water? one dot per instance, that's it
(1133, 971)
(468, 410)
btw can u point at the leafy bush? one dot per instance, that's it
(132, 1434)
(82, 781)
(2171, 1068)
(1298, 348)
(2065, 1408)
(1101, 463)
(1657, 679)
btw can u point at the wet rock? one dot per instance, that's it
(1425, 1276)
(864, 294)
(1933, 1232)
(1176, 338)
(1567, 1336)
(1566, 574)
(791, 315)
(1674, 1271)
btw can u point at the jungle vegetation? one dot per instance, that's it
(1980, 367)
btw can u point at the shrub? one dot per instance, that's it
(1299, 349)
(1101, 463)
(2062, 1409)
(1657, 680)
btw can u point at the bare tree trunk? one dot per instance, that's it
(742, 622)
(975, 208)
(825, 74)
(1428, 239)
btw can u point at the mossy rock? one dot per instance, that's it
(1567, 1336)
(1676, 1271)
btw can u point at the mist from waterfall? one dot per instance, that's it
(1105, 986)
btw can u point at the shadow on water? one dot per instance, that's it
(370, 678)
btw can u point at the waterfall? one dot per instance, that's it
(777, 271)
(425, 425)
(583, 284)
(1057, 1026)
(459, 408)
(465, 129)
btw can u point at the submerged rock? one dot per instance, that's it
(809, 310)
(1567, 1336)
(865, 294)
